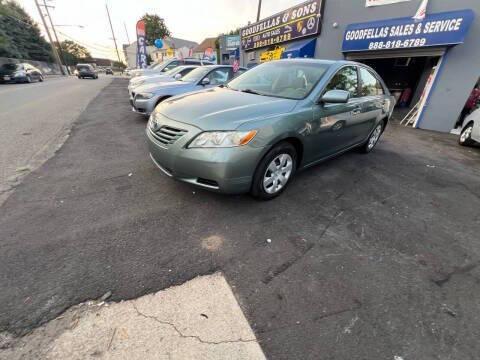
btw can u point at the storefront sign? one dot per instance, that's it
(141, 45)
(382, 2)
(232, 42)
(298, 22)
(440, 29)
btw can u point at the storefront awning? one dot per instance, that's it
(300, 49)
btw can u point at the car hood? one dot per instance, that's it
(223, 109)
(164, 87)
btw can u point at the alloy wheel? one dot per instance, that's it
(466, 134)
(278, 173)
(374, 137)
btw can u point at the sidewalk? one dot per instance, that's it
(198, 320)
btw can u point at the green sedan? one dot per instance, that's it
(254, 134)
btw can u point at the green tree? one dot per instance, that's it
(155, 28)
(74, 53)
(20, 36)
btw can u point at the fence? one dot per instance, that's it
(45, 67)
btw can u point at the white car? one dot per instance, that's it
(167, 65)
(470, 134)
(170, 76)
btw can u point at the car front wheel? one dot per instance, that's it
(274, 172)
(466, 136)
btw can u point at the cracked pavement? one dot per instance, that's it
(387, 240)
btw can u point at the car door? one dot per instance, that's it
(332, 129)
(373, 99)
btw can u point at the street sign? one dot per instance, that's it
(297, 22)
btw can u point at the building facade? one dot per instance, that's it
(430, 65)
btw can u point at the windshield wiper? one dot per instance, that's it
(250, 91)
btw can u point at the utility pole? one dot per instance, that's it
(113, 34)
(259, 10)
(54, 49)
(126, 32)
(56, 37)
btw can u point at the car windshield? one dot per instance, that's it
(283, 79)
(10, 67)
(196, 75)
(175, 71)
(160, 65)
(83, 67)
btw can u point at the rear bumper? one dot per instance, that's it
(228, 170)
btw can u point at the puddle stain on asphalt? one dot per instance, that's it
(213, 243)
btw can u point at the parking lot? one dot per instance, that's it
(363, 257)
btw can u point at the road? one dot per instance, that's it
(35, 120)
(371, 256)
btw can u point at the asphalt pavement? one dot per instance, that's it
(35, 120)
(369, 256)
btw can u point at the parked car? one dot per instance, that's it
(470, 134)
(170, 76)
(167, 65)
(86, 71)
(108, 71)
(255, 133)
(20, 73)
(147, 97)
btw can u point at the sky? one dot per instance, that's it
(187, 19)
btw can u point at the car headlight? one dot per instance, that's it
(144, 96)
(222, 139)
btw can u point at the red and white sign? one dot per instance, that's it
(383, 2)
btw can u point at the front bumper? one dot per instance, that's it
(224, 170)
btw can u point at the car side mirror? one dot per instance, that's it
(206, 81)
(336, 97)
(178, 76)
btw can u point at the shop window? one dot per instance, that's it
(370, 84)
(346, 79)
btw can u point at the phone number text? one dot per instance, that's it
(398, 44)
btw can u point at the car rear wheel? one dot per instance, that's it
(275, 172)
(466, 136)
(40, 78)
(372, 140)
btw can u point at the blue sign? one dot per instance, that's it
(448, 28)
(297, 22)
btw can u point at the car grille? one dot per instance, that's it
(168, 135)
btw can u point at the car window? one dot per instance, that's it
(370, 84)
(219, 76)
(239, 72)
(346, 79)
(171, 66)
(192, 62)
(185, 71)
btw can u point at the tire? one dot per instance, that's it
(279, 163)
(373, 139)
(466, 136)
(29, 79)
(40, 79)
(79, 77)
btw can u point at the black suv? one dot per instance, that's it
(86, 71)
